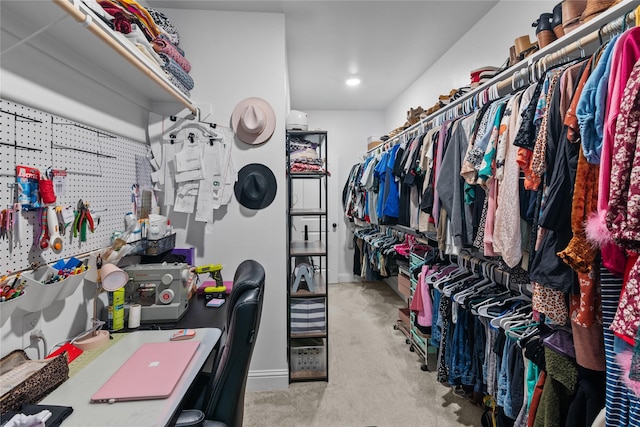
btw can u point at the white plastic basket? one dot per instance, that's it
(308, 358)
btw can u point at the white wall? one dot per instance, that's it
(347, 133)
(233, 56)
(487, 43)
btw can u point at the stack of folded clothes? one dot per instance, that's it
(152, 33)
(303, 156)
(452, 96)
(482, 75)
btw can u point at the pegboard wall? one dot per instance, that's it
(101, 170)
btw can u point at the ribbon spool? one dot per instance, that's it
(46, 191)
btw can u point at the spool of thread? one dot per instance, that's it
(46, 191)
(134, 316)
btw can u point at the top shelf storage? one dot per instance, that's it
(322, 134)
(106, 56)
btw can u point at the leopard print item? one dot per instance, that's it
(550, 302)
(35, 386)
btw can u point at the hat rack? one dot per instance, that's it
(530, 69)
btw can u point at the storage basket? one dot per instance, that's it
(308, 355)
(8, 307)
(23, 380)
(156, 247)
(308, 316)
(39, 294)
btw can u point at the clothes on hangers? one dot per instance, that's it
(516, 178)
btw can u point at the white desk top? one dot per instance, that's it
(77, 390)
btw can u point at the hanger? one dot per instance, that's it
(580, 48)
(514, 313)
(206, 131)
(523, 332)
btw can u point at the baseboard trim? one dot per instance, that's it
(268, 379)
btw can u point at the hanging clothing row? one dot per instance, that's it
(374, 255)
(517, 179)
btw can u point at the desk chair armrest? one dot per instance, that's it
(195, 418)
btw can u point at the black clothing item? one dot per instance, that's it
(397, 169)
(404, 207)
(476, 208)
(526, 137)
(589, 398)
(357, 256)
(527, 201)
(547, 268)
(502, 419)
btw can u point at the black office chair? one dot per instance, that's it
(222, 403)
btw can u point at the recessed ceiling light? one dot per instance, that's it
(353, 81)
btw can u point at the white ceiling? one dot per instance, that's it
(387, 44)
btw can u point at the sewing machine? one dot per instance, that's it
(161, 289)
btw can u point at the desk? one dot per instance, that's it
(76, 391)
(198, 315)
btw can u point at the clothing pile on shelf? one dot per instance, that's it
(515, 180)
(152, 33)
(303, 156)
(482, 75)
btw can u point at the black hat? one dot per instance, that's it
(256, 186)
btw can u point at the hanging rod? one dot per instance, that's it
(604, 25)
(86, 20)
(578, 45)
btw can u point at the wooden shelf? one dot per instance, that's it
(307, 175)
(309, 335)
(308, 375)
(307, 248)
(310, 211)
(320, 285)
(306, 132)
(106, 56)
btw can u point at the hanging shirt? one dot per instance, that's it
(592, 103)
(391, 206)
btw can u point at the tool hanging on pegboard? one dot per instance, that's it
(82, 220)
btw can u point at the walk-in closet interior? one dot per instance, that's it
(484, 170)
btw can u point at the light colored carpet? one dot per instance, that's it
(374, 380)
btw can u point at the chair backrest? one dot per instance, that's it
(224, 400)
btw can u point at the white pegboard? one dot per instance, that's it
(101, 169)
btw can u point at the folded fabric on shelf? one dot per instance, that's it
(161, 45)
(171, 67)
(165, 26)
(174, 80)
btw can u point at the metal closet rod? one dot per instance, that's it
(500, 82)
(87, 22)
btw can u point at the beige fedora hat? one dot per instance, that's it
(253, 121)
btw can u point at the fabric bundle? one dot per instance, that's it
(162, 46)
(304, 157)
(167, 29)
(170, 66)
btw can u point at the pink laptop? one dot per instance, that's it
(152, 372)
